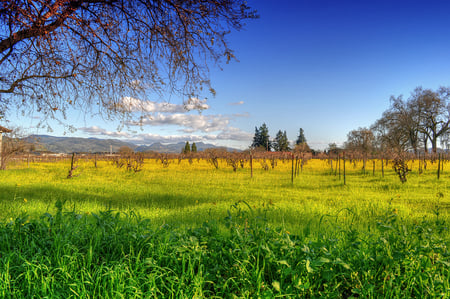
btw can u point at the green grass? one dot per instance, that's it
(188, 194)
(193, 231)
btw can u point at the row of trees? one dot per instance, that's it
(189, 149)
(409, 125)
(280, 143)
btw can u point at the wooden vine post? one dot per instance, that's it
(292, 168)
(251, 164)
(420, 165)
(343, 157)
(339, 163)
(439, 166)
(72, 167)
(373, 172)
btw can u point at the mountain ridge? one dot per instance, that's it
(62, 144)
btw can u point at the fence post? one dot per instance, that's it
(439, 166)
(420, 164)
(344, 168)
(251, 164)
(292, 169)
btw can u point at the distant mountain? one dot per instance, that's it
(177, 147)
(96, 145)
(161, 148)
(76, 144)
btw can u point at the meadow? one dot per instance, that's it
(187, 230)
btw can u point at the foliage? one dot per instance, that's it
(281, 143)
(261, 140)
(109, 253)
(194, 148)
(301, 139)
(216, 232)
(187, 148)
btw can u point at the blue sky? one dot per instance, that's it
(325, 66)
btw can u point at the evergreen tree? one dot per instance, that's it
(262, 138)
(187, 148)
(256, 138)
(301, 137)
(278, 141)
(285, 143)
(301, 145)
(281, 143)
(194, 148)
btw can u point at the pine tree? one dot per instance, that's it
(301, 145)
(262, 138)
(277, 143)
(187, 148)
(301, 137)
(281, 143)
(256, 138)
(194, 148)
(285, 143)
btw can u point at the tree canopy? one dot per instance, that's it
(408, 125)
(261, 139)
(360, 140)
(301, 139)
(91, 54)
(194, 148)
(187, 148)
(281, 142)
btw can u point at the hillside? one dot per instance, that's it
(97, 145)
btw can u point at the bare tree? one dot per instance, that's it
(432, 111)
(91, 54)
(360, 140)
(13, 144)
(398, 128)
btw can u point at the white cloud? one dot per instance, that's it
(94, 130)
(136, 105)
(237, 134)
(191, 122)
(194, 127)
(237, 103)
(245, 114)
(234, 134)
(149, 138)
(230, 133)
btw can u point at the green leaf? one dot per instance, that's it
(283, 262)
(322, 260)
(308, 267)
(276, 285)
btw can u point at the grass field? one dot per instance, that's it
(190, 230)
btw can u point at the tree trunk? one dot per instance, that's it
(434, 144)
(1, 155)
